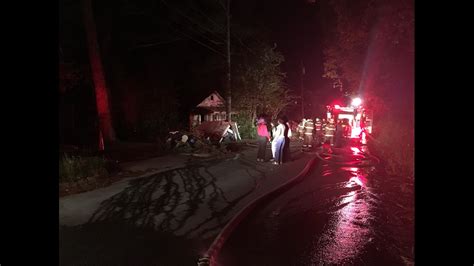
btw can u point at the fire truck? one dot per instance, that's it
(357, 120)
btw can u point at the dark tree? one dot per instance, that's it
(101, 91)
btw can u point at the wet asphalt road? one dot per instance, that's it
(335, 216)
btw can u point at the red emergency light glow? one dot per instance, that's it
(355, 150)
(356, 132)
(364, 140)
(356, 102)
(337, 106)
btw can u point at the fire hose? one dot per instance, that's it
(208, 259)
(363, 159)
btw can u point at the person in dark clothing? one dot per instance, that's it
(318, 128)
(339, 134)
(263, 137)
(286, 148)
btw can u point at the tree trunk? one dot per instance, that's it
(101, 90)
(229, 84)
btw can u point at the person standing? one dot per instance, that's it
(318, 127)
(273, 142)
(286, 149)
(263, 137)
(301, 129)
(329, 132)
(308, 134)
(339, 134)
(279, 141)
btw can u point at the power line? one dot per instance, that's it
(183, 26)
(215, 23)
(243, 45)
(190, 27)
(153, 44)
(197, 41)
(192, 20)
(221, 27)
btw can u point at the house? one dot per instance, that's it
(208, 120)
(212, 108)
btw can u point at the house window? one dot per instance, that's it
(212, 97)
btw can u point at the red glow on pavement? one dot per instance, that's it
(349, 229)
(357, 180)
(355, 150)
(357, 177)
(347, 238)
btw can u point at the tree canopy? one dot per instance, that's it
(369, 46)
(259, 87)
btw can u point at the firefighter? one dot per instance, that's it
(347, 127)
(329, 132)
(363, 123)
(340, 133)
(363, 132)
(308, 134)
(318, 128)
(301, 129)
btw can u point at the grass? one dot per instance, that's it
(75, 168)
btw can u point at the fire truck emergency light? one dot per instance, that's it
(337, 106)
(356, 102)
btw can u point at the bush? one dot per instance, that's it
(395, 145)
(246, 126)
(74, 168)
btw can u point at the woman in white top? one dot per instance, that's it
(278, 142)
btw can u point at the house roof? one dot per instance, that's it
(211, 104)
(213, 100)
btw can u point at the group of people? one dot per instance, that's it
(279, 137)
(319, 132)
(322, 131)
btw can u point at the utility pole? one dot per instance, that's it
(229, 84)
(302, 89)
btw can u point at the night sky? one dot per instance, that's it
(160, 52)
(292, 25)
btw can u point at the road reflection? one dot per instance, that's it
(349, 229)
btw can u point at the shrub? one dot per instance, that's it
(246, 126)
(395, 145)
(74, 168)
